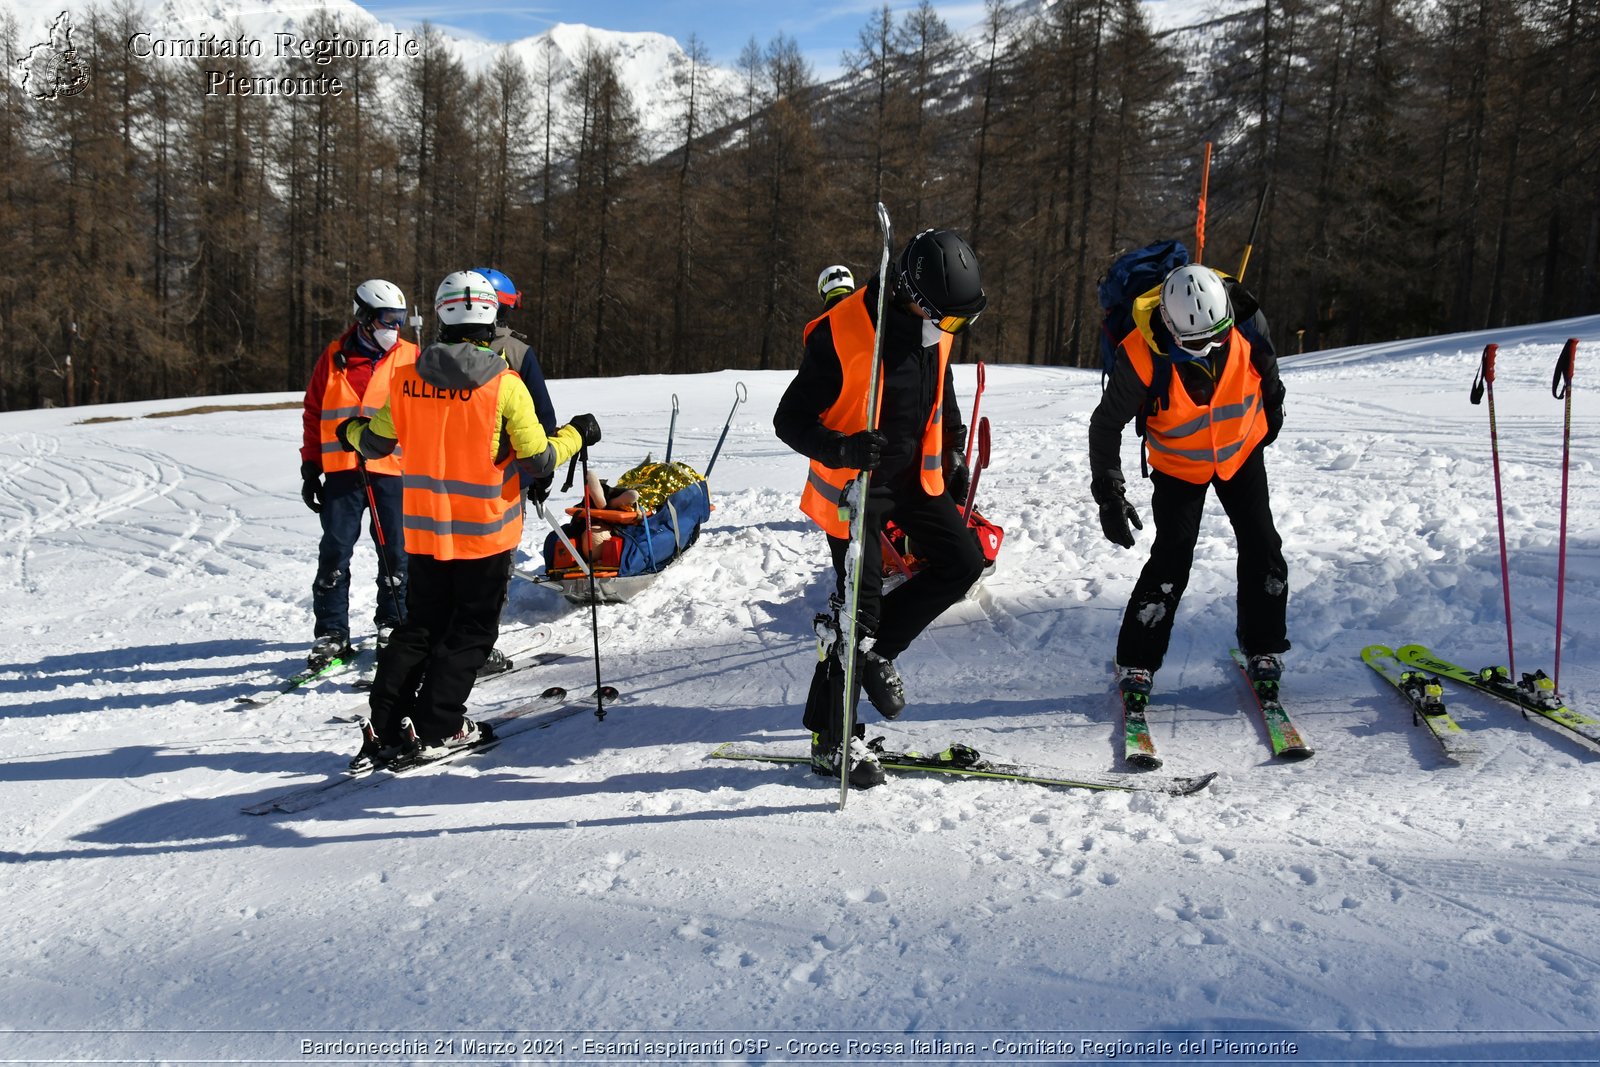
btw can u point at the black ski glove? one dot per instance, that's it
(588, 428)
(311, 484)
(342, 431)
(957, 478)
(1274, 415)
(863, 451)
(539, 489)
(1115, 512)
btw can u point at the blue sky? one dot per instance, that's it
(824, 29)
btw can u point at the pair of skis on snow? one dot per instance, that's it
(547, 709)
(1418, 675)
(314, 674)
(1139, 749)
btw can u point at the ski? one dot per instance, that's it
(551, 706)
(1424, 693)
(307, 677)
(1286, 740)
(963, 762)
(853, 505)
(1138, 747)
(1535, 694)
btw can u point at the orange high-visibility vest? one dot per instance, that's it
(460, 502)
(340, 402)
(853, 340)
(1197, 442)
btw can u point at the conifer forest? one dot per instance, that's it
(1406, 168)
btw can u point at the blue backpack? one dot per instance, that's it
(1129, 277)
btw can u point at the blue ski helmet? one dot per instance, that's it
(503, 286)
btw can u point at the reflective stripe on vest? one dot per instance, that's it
(1197, 443)
(459, 503)
(340, 402)
(853, 337)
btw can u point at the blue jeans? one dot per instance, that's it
(344, 502)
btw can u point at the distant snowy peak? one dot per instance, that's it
(648, 63)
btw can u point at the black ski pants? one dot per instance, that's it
(1263, 577)
(951, 560)
(452, 620)
(344, 506)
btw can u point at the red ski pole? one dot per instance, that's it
(983, 461)
(1561, 389)
(973, 429)
(1483, 383)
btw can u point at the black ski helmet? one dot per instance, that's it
(939, 273)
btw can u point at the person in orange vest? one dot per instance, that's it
(1223, 406)
(352, 377)
(918, 468)
(471, 436)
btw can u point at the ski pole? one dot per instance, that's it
(893, 555)
(740, 393)
(377, 530)
(983, 461)
(672, 428)
(1484, 383)
(1261, 205)
(1561, 389)
(594, 595)
(977, 399)
(1200, 211)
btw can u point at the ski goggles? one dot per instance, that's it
(384, 318)
(1202, 347)
(947, 323)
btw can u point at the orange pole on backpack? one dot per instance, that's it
(1200, 214)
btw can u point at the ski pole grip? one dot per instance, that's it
(1561, 382)
(1485, 373)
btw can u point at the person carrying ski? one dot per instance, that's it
(468, 429)
(834, 284)
(918, 467)
(352, 377)
(1223, 405)
(519, 356)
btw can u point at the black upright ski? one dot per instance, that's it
(854, 503)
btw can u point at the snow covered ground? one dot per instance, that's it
(605, 882)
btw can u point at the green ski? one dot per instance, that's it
(1534, 694)
(1425, 694)
(1286, 740)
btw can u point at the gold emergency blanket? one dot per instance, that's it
(654, 482)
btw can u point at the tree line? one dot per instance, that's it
(1416, 169)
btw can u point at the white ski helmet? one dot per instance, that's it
(835, 281)
(375, 295)
(466, 297)
(1194, 306)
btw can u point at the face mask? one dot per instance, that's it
(930, 333)
(385, 339)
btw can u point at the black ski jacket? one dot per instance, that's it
(1125, 391)
(908, 386)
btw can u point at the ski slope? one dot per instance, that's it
(603, 882)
